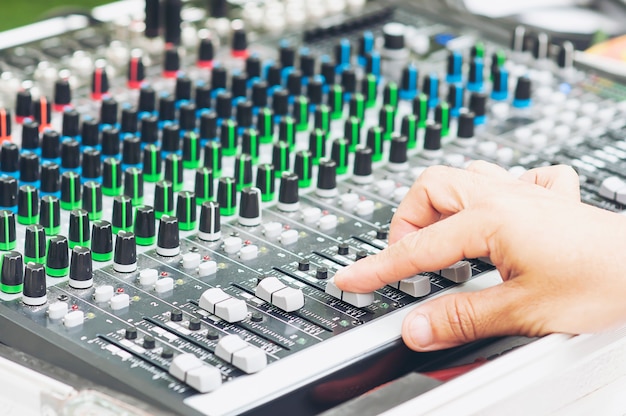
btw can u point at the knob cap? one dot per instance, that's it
(8, 192)
(100, 84)
(125, 256)
(144, 228)
(265, 181)
(288, 196)
(7, 230)
(81, 268)
(102, 241)
(112, 177)
(163, 199)
(57, 260)
(29, 168)
(250, 207)
(168, 241)
(243, 171)
(362, 173)
(91, 165)
(49, 215)
(327, 179)
(70, 191)
(209, 229)
(186, 210)
(35, 244)
(122, 218)
(34, 293)
(466, 126)
(79, 228)
(522, 93)
(227, 196)
(203, 185)
(12, 273)
(27, 205)
(303, 167)
(50, 178)
(432, 137)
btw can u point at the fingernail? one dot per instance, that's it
(421, 331)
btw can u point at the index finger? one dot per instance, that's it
(439, 192)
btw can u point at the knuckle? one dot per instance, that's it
(462, 319)
(566, 170)
(478, 166)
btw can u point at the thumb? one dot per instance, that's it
(464, 317)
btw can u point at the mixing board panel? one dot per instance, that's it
(176, 199)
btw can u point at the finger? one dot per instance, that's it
(558, 178)
(436, 247)
(440, 191)
(489, 169)
(464, 317)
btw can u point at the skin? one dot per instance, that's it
(562, 262)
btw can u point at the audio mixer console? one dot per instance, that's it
(176, 197)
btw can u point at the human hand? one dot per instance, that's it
(562, 261)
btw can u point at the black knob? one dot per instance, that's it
(227, 196)
(209, 229)
(182, 90)
(259, 94)
(203, 185)
(327, 178)
(362, 172)
(49, 215)
(152, 21)
(50, 145)
(81, 268)
(147, 99)
(168, 240)
(265, 181)
(9, 158)
(171, 10)
(203, 96)
(361, 254)
(99, 83)
(12, 273)
(176, 315)
(565, 56)
(50, 178)
(163, 199)
(339, 153)
(110, 141)
(287, 55)
(92, 199)
(186, 210)
(304, 265)
(191, 150)
(101, 241)
(522, 92)
(273, 75)
(171, 62)
(91, 164)
(149, 342)
(250, 207)
(253, 67)
(187, 116)
(174, 171)
(327, 70)
(108, 111)
(315, 92)
(23, 105)
(250, 144)
(171, 137)
(122, 217)
(30, 135)
(432, 137)
(136, 70)
(8, 192)
(129, 119)
(152, 163)
(71, 120)
(70, 154)
(394, 35)
(7, 230)
(343, 249)
(29, 168)
(238, 84)
(307, 64)
(288, 195)
(57, 260)
(321, 273)
(167, 108)
(27, 205)
(303, 168)
(280, 157)
(478, 104)
(348, 81)
(133, 185)
(79, 228)
(398, 153)
(219, 76)
(35, 244)
(208, 125)
(144, 225)
(206, 53)
(280, 102)
(62, 94)
(294, 83)
(239, 44)
(34, 293)
(466, 126)
(111, 177)
(382, 234)
(243, 171)
(224, 105)
(70, 191)
(125, 255)
(130, 333)
(194, 324)
(244, 113)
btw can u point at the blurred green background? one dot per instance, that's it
(15, 13)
